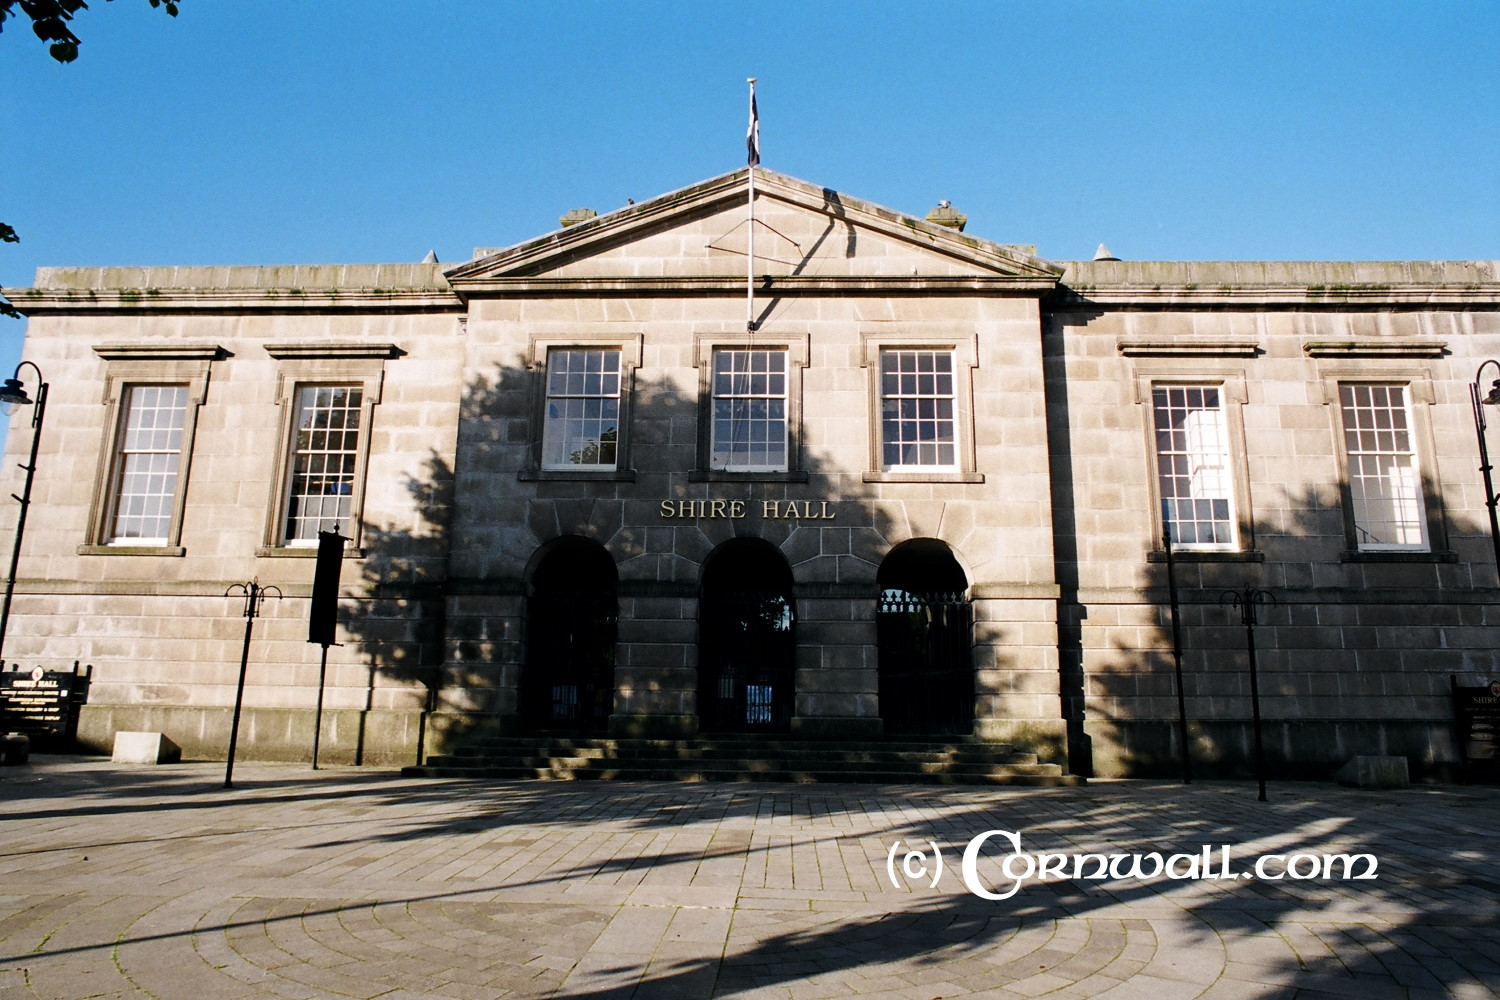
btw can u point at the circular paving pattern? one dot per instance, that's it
(119, 883)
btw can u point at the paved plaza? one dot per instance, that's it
(142, 882)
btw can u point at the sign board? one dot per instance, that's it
(43, 703)
(1477, 712)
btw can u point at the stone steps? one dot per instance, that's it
(744, 758)
(710, 754)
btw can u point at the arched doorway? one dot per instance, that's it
(924, 627)
(745, 646)
(568, 678)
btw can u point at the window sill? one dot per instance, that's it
(1206, 556)
(935, 476)
(302, 552)
(576, 476)
(131, 550)
(1398, 557)
(724, 476)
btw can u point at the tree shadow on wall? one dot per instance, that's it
(442, 605)
(1354, 650)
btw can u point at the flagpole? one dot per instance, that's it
(752, 140)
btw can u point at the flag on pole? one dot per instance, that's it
(752, 135)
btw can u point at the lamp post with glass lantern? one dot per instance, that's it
(1491, 398)
(12, 397)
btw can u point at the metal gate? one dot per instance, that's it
(745, 677)
(569, 677)
(926, 662)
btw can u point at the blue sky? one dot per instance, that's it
(284, 131)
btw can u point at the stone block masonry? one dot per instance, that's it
(925, 493)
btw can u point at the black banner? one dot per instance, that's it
(322, 618)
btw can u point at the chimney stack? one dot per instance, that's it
(576, 216)
(946, 215)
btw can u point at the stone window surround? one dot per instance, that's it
(1215, 453)
(630, 348)
(1417, 379)
(126, 366)
(566, 377)
(797, 350)
(965, 350)
(322, 364)
(1229, 378)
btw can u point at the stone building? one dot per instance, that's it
(905, 481)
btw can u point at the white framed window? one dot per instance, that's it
(750, 407)
(1385, 484)
(328, 394)
(147, 463)
(1195, 482)
(152, 395)
(918, 410)
(749, 418)
(921, 405)
(322, 477)
(581, 423)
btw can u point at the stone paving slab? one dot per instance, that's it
(157, 882)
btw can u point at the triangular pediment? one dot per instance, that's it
(800, 230)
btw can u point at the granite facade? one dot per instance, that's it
(1035, 537)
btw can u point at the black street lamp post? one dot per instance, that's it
(1491, 398)
(12, 396)
(255, 596)
(1246, 601)
(1182, 725)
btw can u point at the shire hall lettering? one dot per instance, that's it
(802, 510)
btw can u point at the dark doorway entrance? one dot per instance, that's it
(745, 645)
(924, 624)
(568, 679)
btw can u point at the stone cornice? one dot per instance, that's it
(34, 301)
(332, 349)
(160, 352)
(1384, 347)
(1128, 296)
(768, 285)
(1221, 347)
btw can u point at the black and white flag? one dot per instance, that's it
(752, 135)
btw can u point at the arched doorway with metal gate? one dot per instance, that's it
(746, 649)
(568, 675)
(924, 625)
